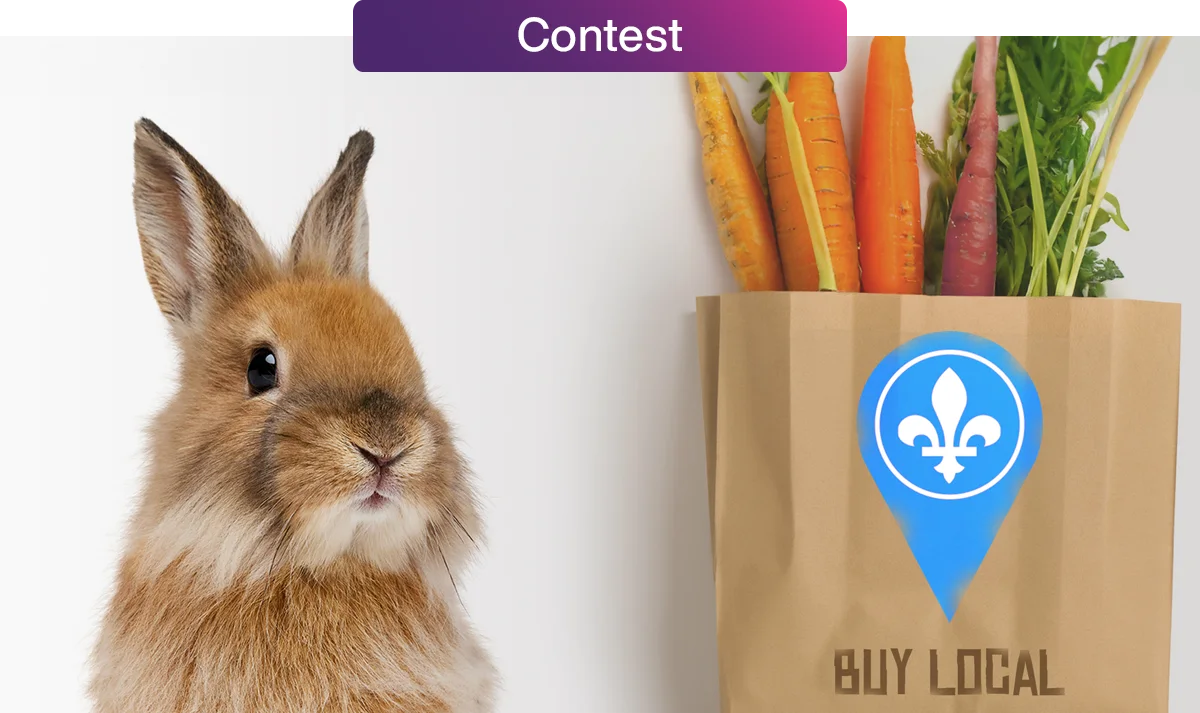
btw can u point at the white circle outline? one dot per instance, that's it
(1020, 424)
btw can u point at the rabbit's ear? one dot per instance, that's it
(197, 244)
(332, 237)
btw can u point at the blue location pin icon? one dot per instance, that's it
(949, 425)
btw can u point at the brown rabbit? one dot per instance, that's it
(305, 511)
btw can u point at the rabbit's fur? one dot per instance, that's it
(257, 577)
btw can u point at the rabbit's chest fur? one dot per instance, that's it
(349, 640)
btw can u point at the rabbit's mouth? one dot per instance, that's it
(374, 501)
(380, 491)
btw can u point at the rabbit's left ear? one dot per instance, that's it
(332, 237)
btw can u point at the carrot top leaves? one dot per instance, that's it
(759, 112)
(1152, 52)
(1041, 247)
(1058, 79)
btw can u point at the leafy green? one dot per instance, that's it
(1094, 272)
(1062, 101)
(759, 112)
(1065, 82)
(1116, 211)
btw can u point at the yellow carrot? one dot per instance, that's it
(735, 194)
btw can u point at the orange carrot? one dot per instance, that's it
(734, 191)
(888, 199)
(816, 112)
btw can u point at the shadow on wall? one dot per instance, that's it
(688, 618)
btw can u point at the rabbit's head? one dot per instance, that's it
(302, 431)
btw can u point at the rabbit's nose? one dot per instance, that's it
(382, 462)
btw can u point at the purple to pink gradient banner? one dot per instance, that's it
(599, 35)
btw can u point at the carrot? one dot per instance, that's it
(969, 261)
(734, 191)
(888, 200)
(804, 183)
(820, 124)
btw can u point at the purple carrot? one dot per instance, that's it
(969, 261)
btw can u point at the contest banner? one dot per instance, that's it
(598, 36)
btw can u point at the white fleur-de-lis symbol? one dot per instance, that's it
(949, 399)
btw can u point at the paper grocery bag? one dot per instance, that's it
(939, 504)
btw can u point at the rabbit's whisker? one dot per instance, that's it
(451, 576)
(447, 512)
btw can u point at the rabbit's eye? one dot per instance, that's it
(261, 372)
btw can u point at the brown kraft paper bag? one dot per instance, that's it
(934, 585)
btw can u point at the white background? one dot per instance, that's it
(543, 236)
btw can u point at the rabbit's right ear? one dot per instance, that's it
(197, 244)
